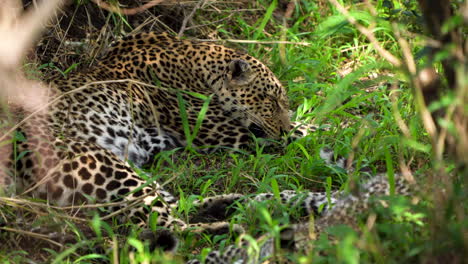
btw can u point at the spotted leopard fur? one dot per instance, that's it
(297, 237)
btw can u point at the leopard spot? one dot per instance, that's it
(69, 181)
(75, 165)
(84, 173)
(84, 159)
(101, 194)
(29, 163)
(158, 203)
(130, 182)
(106, 170)
(66, 167)
(99, 157)
(138, 193)
(120, 175)
(113, 185)
(123, 191)
(87, 188)
(92, 165)
(99, 179)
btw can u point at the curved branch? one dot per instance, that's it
(126, 11)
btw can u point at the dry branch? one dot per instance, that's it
(33, 235)
(187, 18)
(127, 11)
(246, 41)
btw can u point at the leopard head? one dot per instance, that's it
(252, 94)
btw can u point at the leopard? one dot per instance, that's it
(150, 93)
(342, 208)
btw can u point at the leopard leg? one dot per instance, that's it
(328, 155)
(299, 130)
(297, 237)
(217, 208)
(232, 254)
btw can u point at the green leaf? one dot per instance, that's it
(96, 225)
(275, 188)
(266, 18)
(21, 155)
(390, 171)
(72, 67)
(328, 190)
(19, 136)
(206, 185)
(90, 256)
(67, 252)
(452, 23)
(137, 244)
(184, 117)
(302, 148)
(266, 216)
(426, 148)
(153, 221)
(201, 116)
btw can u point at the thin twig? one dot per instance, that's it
(43, 107)
(284, 31)
(187, 18)
(255, 41)
(211, 23)
(126, 11)
(32, 234)
(410, 65)
(396, 112)
(354, 48)
(128, 205)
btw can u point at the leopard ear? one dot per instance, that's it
(240, 72)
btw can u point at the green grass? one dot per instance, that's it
(319, 93)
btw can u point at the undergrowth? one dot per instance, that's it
(335, 78)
